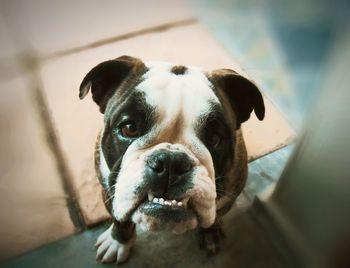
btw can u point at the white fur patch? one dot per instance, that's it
(104, 169)
(126, 195)
(173, 94)
(203, 196)
(110, 250)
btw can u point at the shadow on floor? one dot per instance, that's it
(244, 246)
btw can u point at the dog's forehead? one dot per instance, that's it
(173, 87)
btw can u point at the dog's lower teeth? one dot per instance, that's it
(173, 203)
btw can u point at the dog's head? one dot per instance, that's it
(169, 133)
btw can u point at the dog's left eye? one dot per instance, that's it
(214, 140)
(213, 134)
(129, 130)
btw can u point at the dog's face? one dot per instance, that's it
(169, 135)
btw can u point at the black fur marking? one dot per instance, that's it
(123, 231)
(114, 145)
(178, 69)
(210, 238)
(216, 123)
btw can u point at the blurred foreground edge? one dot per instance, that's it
(307, 214)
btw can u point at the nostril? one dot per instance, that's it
(158, 166)
(165, 163)
(187, 167)
(182, 167)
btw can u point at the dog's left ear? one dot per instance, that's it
(242, 94)
(105, 78)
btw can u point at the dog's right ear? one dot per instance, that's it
(105, 78)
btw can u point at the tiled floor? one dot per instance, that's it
(244, 246)
(284, 50)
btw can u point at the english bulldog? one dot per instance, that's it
(171, 155)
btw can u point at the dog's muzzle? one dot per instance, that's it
(168, 175)
(165, 187)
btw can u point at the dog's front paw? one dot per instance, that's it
(210, 238)
(110, 250)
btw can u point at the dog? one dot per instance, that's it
(171, 155)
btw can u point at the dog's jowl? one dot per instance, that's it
(171, 154)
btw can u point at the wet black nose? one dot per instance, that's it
(167, 163)
(166, 169)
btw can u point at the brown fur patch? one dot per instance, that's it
(178, 69)
(172, 132)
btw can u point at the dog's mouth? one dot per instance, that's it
(181, 203)
(166, 210)
(161, 213)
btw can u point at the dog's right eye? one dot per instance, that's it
(129, 130)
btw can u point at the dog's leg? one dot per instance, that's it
(115, 243)
(209, 238)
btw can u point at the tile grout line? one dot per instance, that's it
(9, 70)
(278, 147)
(129, 35)
(41, 106)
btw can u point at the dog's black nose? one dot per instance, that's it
(170, 163)
(166, 169)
